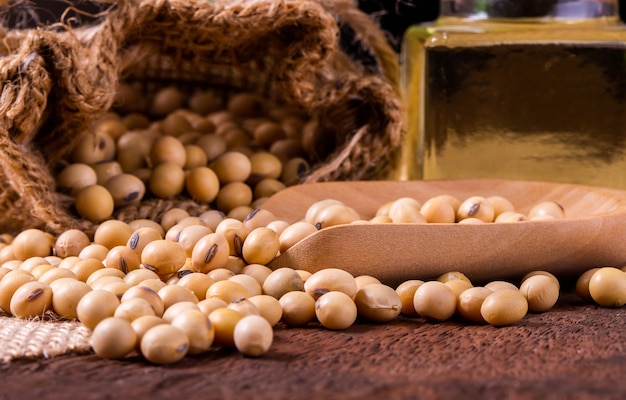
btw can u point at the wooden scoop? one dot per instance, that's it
(593, 234)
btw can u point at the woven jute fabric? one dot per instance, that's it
(325, 57)
(39, 338)
(322, 56)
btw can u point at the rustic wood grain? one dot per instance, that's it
(574, 351)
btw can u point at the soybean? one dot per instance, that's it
(197, 326)
(281, 281)
(125, 189)
(207, 306)
(94, 203)
(148, 294)
(32, 243)
(298, 308)
(330, 279)
(435, 301)
(253, 335)
(123, 259)
(30, 300)
(113, 338)
(504, 307)
(547, 208)
(261, 246)
(70, 243)
(476, 207)
(210, 253)
(406, 291)
(136, 276)
(52, 275)
(197, 282)
(335, 310)
(253, 287)
(294, 233)
(438, 210)
(95, 306)
(224, 321)
(9, 284)
(269, 307)
(228, 291)
(541, 292)
(178, 308)
(607, 287)
(142, 324)
(582, 284)
(163, 256)
(164, 344)
(133, 308)
(470, 302)
(244, 307)
(172, 294)
(104, 272)
(202, 184)
(377, 302)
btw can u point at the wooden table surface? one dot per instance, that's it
(575, 351)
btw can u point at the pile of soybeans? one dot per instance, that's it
(227, 154)
(189, 284)
(193, 281)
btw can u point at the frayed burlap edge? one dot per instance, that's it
(41, 65)
(37, 338)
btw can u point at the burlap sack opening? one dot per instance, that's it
(57, 81)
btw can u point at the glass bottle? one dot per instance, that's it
(517, 89)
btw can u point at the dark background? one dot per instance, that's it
(394, 16)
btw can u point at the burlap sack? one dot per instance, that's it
(324, 56)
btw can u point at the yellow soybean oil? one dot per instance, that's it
(518, 98)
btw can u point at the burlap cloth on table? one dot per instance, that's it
(38, 338)
(323, 56)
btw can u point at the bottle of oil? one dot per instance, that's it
(517, 89)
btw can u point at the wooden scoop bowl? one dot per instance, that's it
(593, 234)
